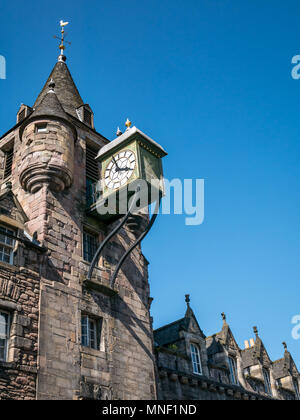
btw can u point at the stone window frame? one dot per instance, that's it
(200, 363)
(98, 325)
(41, 128)
(12, 247)
(6, 336)
(15, 329)
(93, 233)
(267, 380)
(233, 371)
(94, 311)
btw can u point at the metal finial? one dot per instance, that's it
(128, 124)
(223, 316)
(51, 86)
(255, 331)
(62, 58)
(284, 345)
(119, 132)
(187, 300)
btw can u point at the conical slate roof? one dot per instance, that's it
(65, 89)
(49, 106)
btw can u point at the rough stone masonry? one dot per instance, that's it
(62, 337)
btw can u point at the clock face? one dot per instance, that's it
(120, 169)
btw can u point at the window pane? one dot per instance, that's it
(267, 382)
(89, 332)
(89, 246)
(233, 371)
(196, 360)
(4, 334)
(41, 128)
(93, 334)
(6, 252)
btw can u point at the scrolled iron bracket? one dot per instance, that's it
(116, 230)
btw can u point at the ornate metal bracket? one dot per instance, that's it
(116, 230)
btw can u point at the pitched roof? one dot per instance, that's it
(65, 89)
(170, 333)
(252, 355)
(225, 337)
(49, 106)
(285, 366)
(248, 357)
(213, 345)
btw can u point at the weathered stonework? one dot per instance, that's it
(49, 181)
(48, 157)
(19, 296)
(45, 290)
(177, 379)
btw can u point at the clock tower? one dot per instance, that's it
(81, 340)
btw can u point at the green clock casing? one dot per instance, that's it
(125, 161)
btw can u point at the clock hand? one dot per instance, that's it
(117, 169)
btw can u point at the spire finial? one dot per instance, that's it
(223, 315)
(284, 345)
(62, 58)
(255, 329)
(128, 124)
(187, 300)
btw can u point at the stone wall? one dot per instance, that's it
(19, 295)
(175, 385)
(66, 370)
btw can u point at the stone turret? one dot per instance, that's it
(47, 139)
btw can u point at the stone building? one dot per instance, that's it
(192, 366)
(63, 337)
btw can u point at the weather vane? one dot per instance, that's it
(62, 40)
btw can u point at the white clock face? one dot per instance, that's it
(120, 169)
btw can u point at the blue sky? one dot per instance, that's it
(211, 81)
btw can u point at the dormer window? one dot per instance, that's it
(267, 381)
(24, 111)
(22, 115)
(196, 359)
(87, 116)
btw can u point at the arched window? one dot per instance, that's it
(196, 359)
